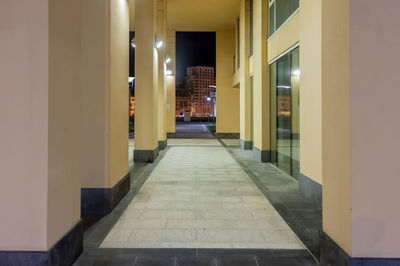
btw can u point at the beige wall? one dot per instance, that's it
(24, 122)
(119, 93)
(261, 128)
(104, 92)
(310, 89)
(95, 90)
(162, 90)
(374, 45)
(170, 120)
(146, 90)
(245, 101)
(228, 99)
(63, 198)
(287, 36)
(336, 160)
(40, 109)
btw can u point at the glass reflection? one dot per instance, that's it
(285, 113)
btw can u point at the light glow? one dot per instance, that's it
(159, 43)
(131, 79)
(168, 72)
(296, 72)
(168, 60)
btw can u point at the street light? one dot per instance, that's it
(208, 102)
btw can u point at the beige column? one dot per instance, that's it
(171, 94)
(40, 113)
(105, 93)
(162, 86)
(146, 86)
(228, 97)
(246, 140)
(359, 121)
(261, 102)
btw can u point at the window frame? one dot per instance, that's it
(271, 2)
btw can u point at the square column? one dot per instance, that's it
(359, 117)
(171, 90)
(246, 138)
(261, 83)
(228, 97)
(105, 119)
(162, 85)
(40, 136)
(146, 82)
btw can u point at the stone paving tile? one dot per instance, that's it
(198, 196)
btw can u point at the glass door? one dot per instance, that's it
(285, 113)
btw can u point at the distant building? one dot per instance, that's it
(200, 83)
(131, 99)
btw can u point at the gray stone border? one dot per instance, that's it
(310, 189)
(227, 135)
(262, 156)
(246, 144)
(162, 144)
(101, 201)
(146, 156)
(64, 253)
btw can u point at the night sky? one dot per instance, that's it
(193, 49)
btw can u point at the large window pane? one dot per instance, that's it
(285, 112)
(293, 6)
(282, 11)
(271, 25)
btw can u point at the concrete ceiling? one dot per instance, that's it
(202, 15)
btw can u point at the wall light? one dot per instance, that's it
(168, 72)
(131, 79)
(133, 45)
(296, 72)
(159, 43)
(168, 60)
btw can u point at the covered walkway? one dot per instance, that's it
(197, 204)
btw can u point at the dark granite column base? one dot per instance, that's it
(101, 201)
(261, 156)
(171, 135)
(162, 144)
(227, 135)
(333, 254)
(246, 144)
(310, 189)
(64, 253)
(146, 156)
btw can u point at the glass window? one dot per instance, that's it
(285, 112)
(271, 16)
(279, 11)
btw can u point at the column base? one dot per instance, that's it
(246, 144)
(101, 201)
(227, 135)
(65, 252)
(310, 189)
(146, 156)
(162, 144)
(262, 156)
(171, 135)
(332, 254)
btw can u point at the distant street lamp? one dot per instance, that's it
(208, 102)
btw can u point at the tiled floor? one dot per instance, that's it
(199, 197)
(303, 216)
